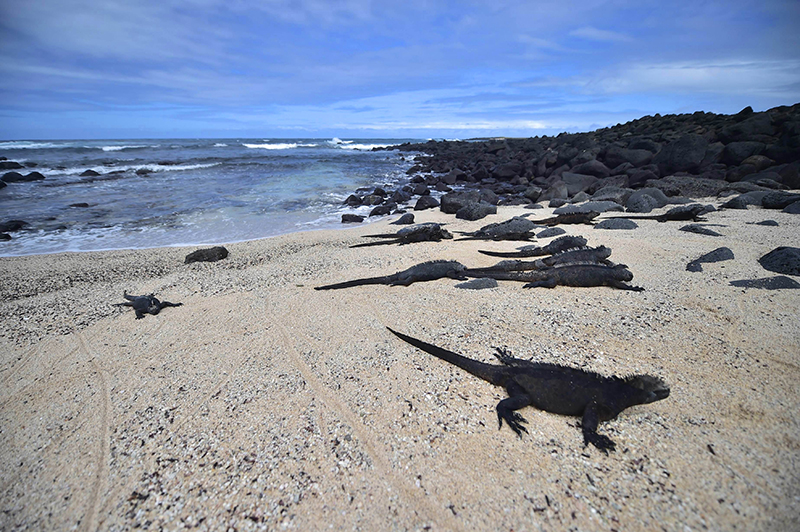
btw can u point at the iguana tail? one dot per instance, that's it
(379, 243)
(511, 254)
(386, 279)
(488, 372)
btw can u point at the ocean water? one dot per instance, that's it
(153, 193)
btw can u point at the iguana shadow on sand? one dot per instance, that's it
(556, 389)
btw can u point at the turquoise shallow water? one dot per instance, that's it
(169, 192)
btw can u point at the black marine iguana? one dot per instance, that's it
(517, 228)
(569, 218)
(555, 389)
(558, 245)
(427, 271)
(681, 213)
(579, 275)
(142, 304)
(584, 255)
(426, 232)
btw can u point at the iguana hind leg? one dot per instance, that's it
(506, 409)
(547, 283)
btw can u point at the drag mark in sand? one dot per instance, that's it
(379, 461)
(104, 443)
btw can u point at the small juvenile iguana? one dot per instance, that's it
(579, 275)
(427, 271)
(558, 245)
(142, 304)
(585, 255)
(426, 232)
(679, 213)
(570, 218)
(555, 389)
(517, 228)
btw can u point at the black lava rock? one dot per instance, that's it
(406, 219)
(785, 260)
(207, 255)
(352, 219)
(718, 255)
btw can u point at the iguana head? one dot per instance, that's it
(655, 389)
(153, 305)
(622, 273)
(603, 252)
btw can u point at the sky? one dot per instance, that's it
(104, 69)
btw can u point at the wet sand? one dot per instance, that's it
(264, 404)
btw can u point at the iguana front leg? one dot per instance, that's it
(506, 408)
(589, 424)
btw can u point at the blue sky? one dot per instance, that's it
(360, 68)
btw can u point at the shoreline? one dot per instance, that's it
(261, 402)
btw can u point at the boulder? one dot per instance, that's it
(508, 170)
(406, 219)
(616, 156)
(383, 210)
(645, 200)
(453, 201)
(352, 219)
(792, 208)
(475, 211)
(785, 260)
(682, 155)
(779, 200)
(735, 153)
(10, 165)
(758, 125)
(743, 200)
(533, 193)
(557, 190)
(611, 193)
(12, 177)
(372, 199)
(89, 173)
(207, 255)
(577, 182)
(426, 202)
(593, 168)
(12, 225)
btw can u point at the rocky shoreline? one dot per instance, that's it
(641, 165)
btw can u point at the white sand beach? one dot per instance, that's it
(262, 404)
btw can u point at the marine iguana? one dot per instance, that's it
(517, 228)
(427, 271)
(555, 389)
(425, 232)
(578, 275)
(142, 304)
(681, 213)
(570, 218)
(558, 245)
(584, 255)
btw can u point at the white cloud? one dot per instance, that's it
(594, 34)
(722, 77)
